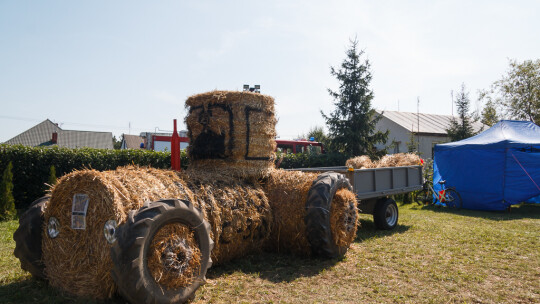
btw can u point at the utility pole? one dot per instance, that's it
(418, 123)
(452, 95)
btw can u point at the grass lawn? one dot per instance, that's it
(433, 256)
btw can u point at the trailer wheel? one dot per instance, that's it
(317, 217)
(386, 214)
(130, 252)
(28, 238)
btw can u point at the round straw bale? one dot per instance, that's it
(78, 260)
(231, 133)
(360, 162)
(289, 195)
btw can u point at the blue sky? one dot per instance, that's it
(128, 66)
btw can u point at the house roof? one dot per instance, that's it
(132, 141)
(90, 139)
(42, 135)
(429, 123)
(38, 135)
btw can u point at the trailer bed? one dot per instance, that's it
(379, 182)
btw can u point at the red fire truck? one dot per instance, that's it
(299, 146)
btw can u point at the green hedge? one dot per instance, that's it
(304, 160)
(32, 165)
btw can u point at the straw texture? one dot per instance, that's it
(231, 133)
(174, 257)
(78, 260)
(390, 160)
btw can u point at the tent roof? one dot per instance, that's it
(503, 134)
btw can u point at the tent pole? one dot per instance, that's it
(504, 174)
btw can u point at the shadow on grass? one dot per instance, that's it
(521, 211)
(367, 230)
(37, 291)
(274, 267)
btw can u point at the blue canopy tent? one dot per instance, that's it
(494, 169)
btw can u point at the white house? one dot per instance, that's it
(428, 130)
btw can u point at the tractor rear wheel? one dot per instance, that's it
(135, 248)
(28, 238)
(317, 219)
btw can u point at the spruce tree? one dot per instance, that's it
(462, 127)
(352, 123)
(7, 201)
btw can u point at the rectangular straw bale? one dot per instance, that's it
(231, 132)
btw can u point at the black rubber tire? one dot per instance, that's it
(386, 214)
(28, 238)
(455, 202)
(129, 252)
(317, 217)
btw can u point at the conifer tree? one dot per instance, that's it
(7, 201)
(52, 176)
(462, 127)
(352, 124)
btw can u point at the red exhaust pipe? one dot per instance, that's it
(175, 149)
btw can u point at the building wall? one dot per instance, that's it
(401, 137)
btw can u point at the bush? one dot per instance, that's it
(305, 160)
(35, 167)
(32, 165)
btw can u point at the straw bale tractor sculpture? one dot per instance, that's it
(150, 235)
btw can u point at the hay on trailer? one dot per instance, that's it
(78, 260)
(360, 162)
(174, 258)
(399, 160)
(390, 160)
(231, 133)
(343, 217)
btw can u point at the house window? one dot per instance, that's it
(396, 146)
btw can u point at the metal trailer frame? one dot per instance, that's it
(374, 186)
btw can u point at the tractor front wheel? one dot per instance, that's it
(162, 253)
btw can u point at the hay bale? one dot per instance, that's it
(237, 210)
(399, 160)
(78, 260)
(287, 193)
(231, 133)
(360, 162)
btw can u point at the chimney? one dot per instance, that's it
(54, 138)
